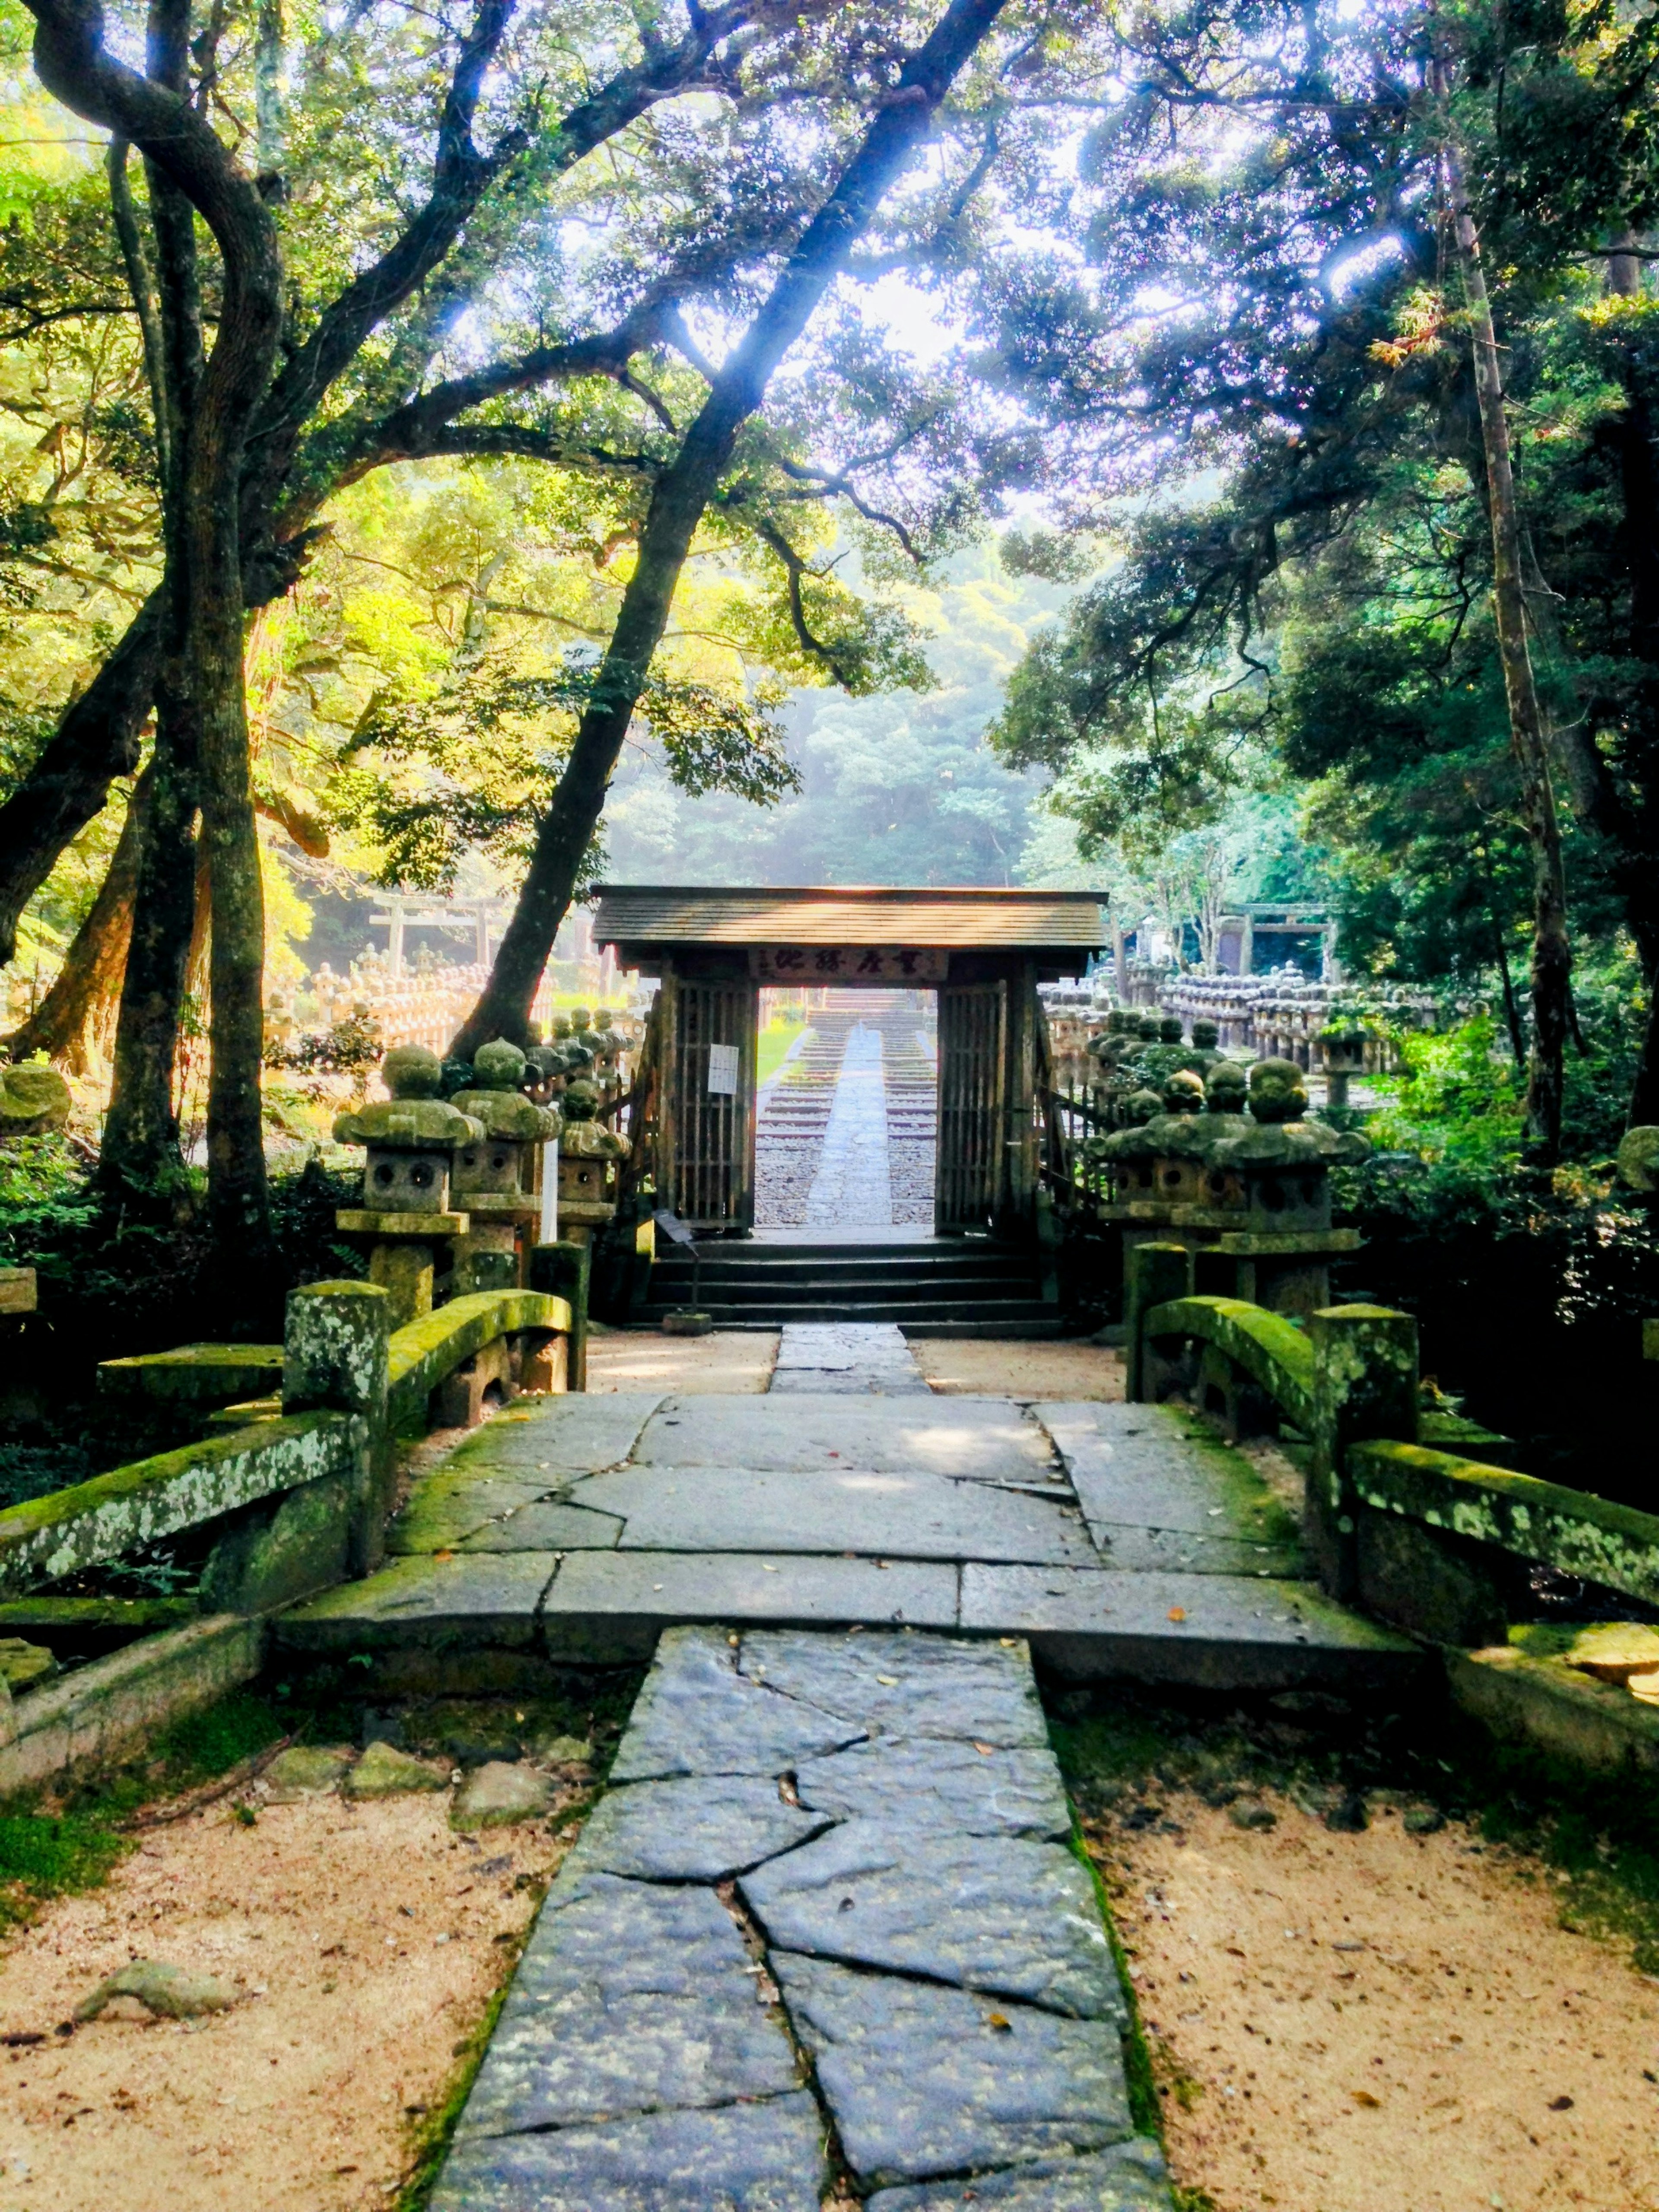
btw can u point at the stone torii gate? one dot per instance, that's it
(983, 952)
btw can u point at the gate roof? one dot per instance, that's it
(635, 916)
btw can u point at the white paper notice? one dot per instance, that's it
(723, 1071)
(550, 1191)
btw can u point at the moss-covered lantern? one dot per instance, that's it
(495, 1172)
(588, 1154)
(410, 1139)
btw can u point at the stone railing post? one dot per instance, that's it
(1364, 1386)
(563, 1271)
(1153, 1274)
(336, 1342)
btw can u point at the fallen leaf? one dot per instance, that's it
(1001, 2021)
(888, 1681)
(1365, 2097)
(1177, 1613)
(443, 1555)
(1560, 2104)
(985, 1749)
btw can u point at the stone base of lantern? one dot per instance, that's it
(486, 1259)
(1287, 1271)
(402, 1256)
(579, 1218)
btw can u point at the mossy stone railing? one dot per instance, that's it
(321, 1453)
(1413, 1533)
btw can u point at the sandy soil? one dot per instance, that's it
(1381, 2022)
(727, 1362)
(369, 1939)
(1000, 1367)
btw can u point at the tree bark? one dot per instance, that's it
(62, 1023)
(677, 506)
(1551, 948)
(207, 590)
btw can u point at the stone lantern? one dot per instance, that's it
(588, 1154)
(412, 1138)
(1248, 1194)
(496, 1173)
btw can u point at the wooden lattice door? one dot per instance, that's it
(706, 1137)
(973, 1034)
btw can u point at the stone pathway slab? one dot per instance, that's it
(856, 1359)
(489, 1598)
(629, 1998)
(925, 2080)
(695, 1827)
(904, 1687)
(1003, 1914)
(962, 2017)
(608, 1607)
(1220, 1628)
(986, 1439)
(766, 2157)
(1141, 1467)
(697, 1714)
(877, 1514)
(975, 1789)
(569, 1434)
(1131, 2178)
(548, 1524)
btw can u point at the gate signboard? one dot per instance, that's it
(848, 963)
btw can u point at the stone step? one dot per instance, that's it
(1118, 1540)
(845, 1859)
(998, 1316)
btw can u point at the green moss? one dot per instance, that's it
(48, 1851)
(1145, 2109)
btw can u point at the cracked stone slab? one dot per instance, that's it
(479, 1598)
(1150, 1551)
(697, 1715)
(764, 2157)
(1131, 2177)
(945, 1788)
(547, 1524)
(981, 1438)
(924, 2081)
(879, 1514)
(611, 1606)
(693, 1828)
(919, 1686)
(445, 1509)
(1137, 1466)
(1225, 1631)
(630, 1997)
(572, 1433)
(1001, 1914)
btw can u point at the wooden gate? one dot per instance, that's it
(973, 1032)
(706, 1138)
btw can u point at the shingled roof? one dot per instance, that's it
(1015, 921)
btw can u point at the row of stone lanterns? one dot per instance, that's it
(453, 1190)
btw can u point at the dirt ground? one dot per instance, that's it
(369, 1940)
(727, 1362)
(739, 1362)
(1381, 2022)
(1003, 1367)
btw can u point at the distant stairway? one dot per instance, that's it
(947, 1287)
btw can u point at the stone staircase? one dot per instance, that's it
(941, 1286)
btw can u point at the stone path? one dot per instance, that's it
(844, 1140)
(1118, 1539)
(825, 1927)
(851, 1187)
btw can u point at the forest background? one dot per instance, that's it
(1076, 432)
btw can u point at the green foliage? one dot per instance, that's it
(1457, 1099)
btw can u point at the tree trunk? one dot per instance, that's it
(207, 591)
(95, 741)
(62, 1025)
(1551, 948)
(677, 508)
(139, 1155)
